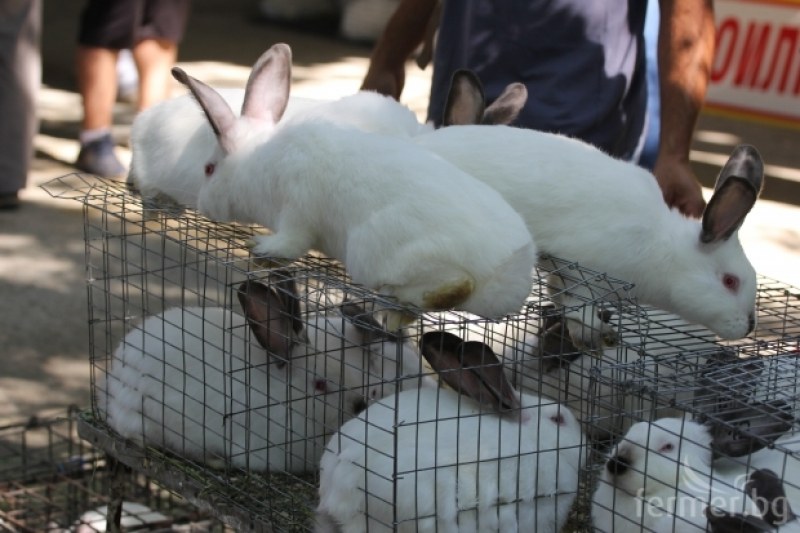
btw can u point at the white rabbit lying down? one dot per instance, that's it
(402, 221)
(477, 457)
(662, 475)
(610, 216)
(195, 381)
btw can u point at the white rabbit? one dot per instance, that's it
(662, 476)
(168, 139)
(195, 381)
(402, 220)
(610, 216)
(485, 459)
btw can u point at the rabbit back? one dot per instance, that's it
(440, 488)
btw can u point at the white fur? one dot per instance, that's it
(191, 380)
(609, 216)
(170, 139)
(431, 440)
(666, 490)
(403, 221)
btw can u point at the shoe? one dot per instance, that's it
(98, 158)
(9, 201)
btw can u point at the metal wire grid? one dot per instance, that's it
(139, 265)
(50, 480)
(746, 396)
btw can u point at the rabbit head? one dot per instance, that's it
(652, 455)
(667, 452)
(265, 100)
(344, 350)
(715, 264)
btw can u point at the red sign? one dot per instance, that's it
(756, 68)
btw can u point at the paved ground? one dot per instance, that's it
(43, 331)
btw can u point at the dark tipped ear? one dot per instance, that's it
(366, 324)
(272, 322)
(721, 521)
(267, 91)
(217, 110)
(745, 428)
(465, 101)
(470, 368)
(766, 490)
(738, 186)
(506, 108)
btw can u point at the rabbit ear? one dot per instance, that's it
(721, 521)
(267, 92)
(217, 110)
(366, 324)
(465, 100)
(747, 427)
(766, 490)
(738, 186)
(505, 109)
(272, 322)
(470, 368)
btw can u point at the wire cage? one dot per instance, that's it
(231, 380)
(51, 480)
(703, 439)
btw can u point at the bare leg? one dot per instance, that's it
(97, 82)
(154, 59)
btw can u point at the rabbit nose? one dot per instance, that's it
(618, 465)
(359, 405)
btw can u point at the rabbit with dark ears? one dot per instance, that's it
(514, 457)
(610, 216)
(403, 221)
(194, 380)
(664, 474)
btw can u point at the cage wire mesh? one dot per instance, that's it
(690, 430)
(228, 377)
(51, 480)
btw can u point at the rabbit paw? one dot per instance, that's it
(277, 248)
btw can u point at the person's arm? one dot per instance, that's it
(685, 54)
(403, 33)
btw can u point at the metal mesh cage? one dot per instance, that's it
(709, 431)
(225, 378)
(52, 481)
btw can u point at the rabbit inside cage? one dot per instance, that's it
(255, 376)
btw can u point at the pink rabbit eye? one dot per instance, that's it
(558, 419)
(666, 448)
(730, 282)
(210, 167)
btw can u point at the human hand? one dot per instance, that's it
(679, 185)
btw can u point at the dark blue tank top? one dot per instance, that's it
(583, 62)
